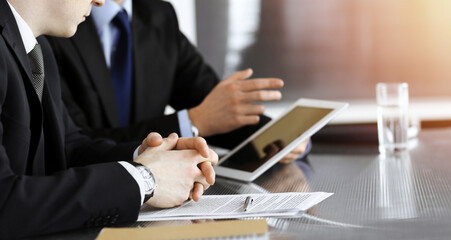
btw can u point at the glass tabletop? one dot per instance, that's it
(405, 196)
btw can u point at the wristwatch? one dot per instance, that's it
(149, 180)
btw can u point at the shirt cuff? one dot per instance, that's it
(137, 176)
(184, 124)
(135, 153)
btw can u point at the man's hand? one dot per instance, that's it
(229, 105)
(294, 154)
(273, 148)
(154, 140)
(182, 168)
(197, 143)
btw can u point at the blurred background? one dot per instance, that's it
(331, 49)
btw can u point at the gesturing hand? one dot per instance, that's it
(229, 105)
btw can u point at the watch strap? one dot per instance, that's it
(147, 196)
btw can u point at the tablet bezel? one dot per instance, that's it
(304, 102)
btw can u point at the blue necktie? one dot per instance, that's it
(121, 67)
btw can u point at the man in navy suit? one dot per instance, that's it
(166, 70)
(52, 178)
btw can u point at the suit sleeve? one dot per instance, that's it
(194, 81)
(70, 198)
(232, 139)
(164, 124)
(194, 78)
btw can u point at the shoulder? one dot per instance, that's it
(153, 5)
(156, 11)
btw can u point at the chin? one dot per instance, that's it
(66, 33)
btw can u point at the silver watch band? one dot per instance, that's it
(149, 180)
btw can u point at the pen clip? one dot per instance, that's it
(247, 203)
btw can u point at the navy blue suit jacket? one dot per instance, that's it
(167, 69)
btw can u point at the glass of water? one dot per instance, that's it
(392, 116)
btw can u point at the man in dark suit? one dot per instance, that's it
(52, 178)
(167, 70)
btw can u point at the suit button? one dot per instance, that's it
(90, 222)
(114, 219)
(106, 220)
(98, 222)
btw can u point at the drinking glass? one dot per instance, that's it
(392, 116)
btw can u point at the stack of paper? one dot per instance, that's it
(232, 206)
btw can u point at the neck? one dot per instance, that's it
(30, 16)
(119, 2)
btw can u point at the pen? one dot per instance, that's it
(247, 203)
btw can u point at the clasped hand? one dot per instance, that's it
(182, 168)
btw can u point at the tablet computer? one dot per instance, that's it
(277, 138)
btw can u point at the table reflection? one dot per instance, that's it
(405, 196)
(396, 187)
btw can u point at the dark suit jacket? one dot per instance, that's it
(167, 70)
(39, 193)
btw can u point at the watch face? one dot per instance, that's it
(149, 184)
(149, 181)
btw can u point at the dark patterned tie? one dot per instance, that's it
(37, 69)
(121, 67)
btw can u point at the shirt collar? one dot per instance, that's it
(28, 38)
(102, 16)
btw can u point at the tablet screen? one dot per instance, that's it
(272, 140)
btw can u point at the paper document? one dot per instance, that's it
(232, 206)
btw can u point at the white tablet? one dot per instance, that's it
(273, 141)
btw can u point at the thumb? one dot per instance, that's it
(240, 75)
(152, 140)
(168, 143)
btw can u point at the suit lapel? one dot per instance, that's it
(88, 45)
(12, 37)
(11, 34)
